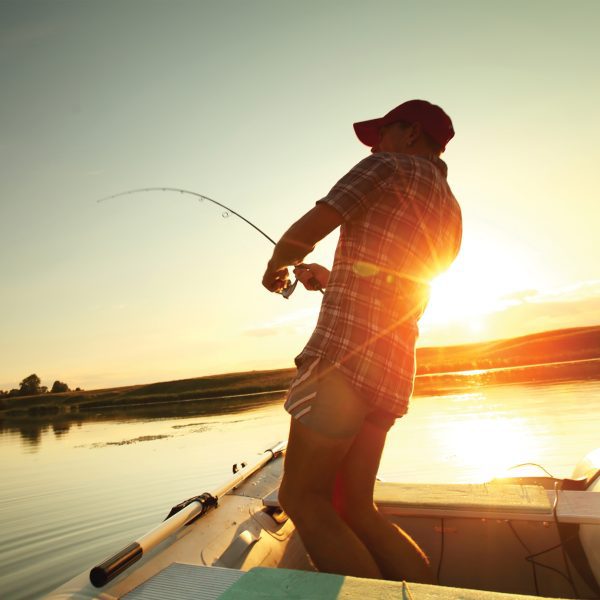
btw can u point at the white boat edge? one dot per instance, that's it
(245, 531)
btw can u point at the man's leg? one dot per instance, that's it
(396, 554)
(311, 463)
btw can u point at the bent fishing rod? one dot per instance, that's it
(286, 292)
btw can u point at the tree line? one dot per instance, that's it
(31, 386)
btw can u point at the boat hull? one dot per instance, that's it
(500, 546)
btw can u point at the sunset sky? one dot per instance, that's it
(252, 104)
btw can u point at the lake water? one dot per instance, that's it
(72, 495)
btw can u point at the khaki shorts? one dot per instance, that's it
(323, 400)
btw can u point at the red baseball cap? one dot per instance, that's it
(434, 121)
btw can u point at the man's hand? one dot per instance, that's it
(312, 276)
(297, 242)
(276, 280)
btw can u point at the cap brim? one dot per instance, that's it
(368, 131)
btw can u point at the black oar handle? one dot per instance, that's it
(111, 567)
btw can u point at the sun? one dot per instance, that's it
(461, 294)
(487, 269)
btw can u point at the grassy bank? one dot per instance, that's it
(241, 388)
(209, 390)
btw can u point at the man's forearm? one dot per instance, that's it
(289, 251)
(300, 239)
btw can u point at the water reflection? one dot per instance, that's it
(487, 446)
(482, 434)
(444, 383)
(32, 425)
(31, 433)
(106, 478)
(61, 429)
(31, 429)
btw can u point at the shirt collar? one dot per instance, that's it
(439, 163)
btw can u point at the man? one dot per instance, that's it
(400, 227)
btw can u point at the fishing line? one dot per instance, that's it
(531, 556)
(439, 567)
(531, 464)
(197, 195)
(286, 293)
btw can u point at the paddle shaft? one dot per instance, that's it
(101, 574)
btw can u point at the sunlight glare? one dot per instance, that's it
(485, 272)
(488, 447)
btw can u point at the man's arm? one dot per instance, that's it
(297, 242)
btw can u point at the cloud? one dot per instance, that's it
(284, 325)
(540, 316)
(580, 290)
(523, 312)
(520, 295)
(262, 331)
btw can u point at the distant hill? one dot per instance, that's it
(539, 348)
(549, 346)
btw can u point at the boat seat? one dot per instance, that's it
(465, 498)
(186, 582)
(485, 500)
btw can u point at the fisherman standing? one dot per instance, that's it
(400, 227)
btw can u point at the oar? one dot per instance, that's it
(179, 516)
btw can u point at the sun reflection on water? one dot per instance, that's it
(488, 446)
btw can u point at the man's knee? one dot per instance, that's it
(292, 496)
(300, 503)
(357, 509)
(286, 497)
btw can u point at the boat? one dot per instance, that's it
(520, 537)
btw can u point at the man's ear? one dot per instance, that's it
(414, 132)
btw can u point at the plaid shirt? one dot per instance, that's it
(402, 227)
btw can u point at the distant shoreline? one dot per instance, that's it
(447, 383)
(547, 356)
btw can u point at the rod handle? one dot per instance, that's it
(101, 574)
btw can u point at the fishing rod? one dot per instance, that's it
(286, 292)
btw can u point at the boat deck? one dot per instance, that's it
(193, 582)
(240, 550)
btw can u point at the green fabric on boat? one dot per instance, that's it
(285, 584)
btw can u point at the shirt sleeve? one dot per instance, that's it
(352, 195)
